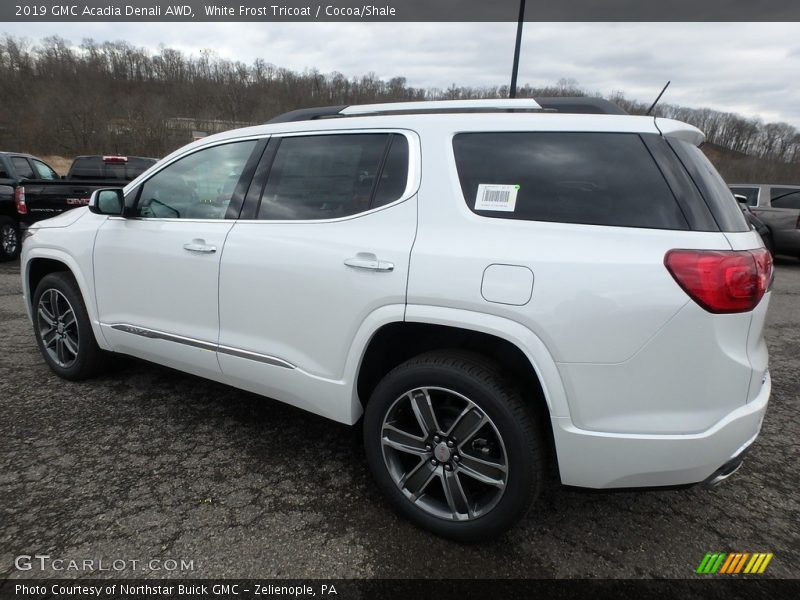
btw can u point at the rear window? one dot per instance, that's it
(568, 177)
(94, 167)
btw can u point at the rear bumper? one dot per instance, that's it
(617, 460)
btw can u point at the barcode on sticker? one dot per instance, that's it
(496, 197)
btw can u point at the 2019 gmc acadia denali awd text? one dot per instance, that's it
(491, 285)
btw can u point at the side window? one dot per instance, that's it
(43, 171)
(335, 175)
(22, 167)
(3, 172)
(198, 186)
(788, 198)
(750, 193)
(567, 177)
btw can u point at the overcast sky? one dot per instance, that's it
(749, 68)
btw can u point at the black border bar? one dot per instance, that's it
(706, 587)
(398, 10)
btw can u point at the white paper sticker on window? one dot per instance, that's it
(493, 196)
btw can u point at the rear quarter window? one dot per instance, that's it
(590, 178)
(715, 191)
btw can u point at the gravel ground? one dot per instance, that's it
(147, 463)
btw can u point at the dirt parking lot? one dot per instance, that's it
(146, 463)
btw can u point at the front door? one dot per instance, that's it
(157, 272)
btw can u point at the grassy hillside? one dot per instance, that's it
(736, 167)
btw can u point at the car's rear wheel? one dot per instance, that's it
(9, 239)
(452, 446)
(63, 330)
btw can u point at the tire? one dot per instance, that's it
(63, 330)
(9, 239)
(479, 424)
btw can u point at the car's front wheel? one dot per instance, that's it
(452, 446)
(63, 330)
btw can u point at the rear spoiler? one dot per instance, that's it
(679, 131)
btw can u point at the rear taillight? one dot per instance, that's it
(722, 281)
(797, 225)
(19, 200)
(115, 159)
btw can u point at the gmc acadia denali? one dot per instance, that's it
(492, 285)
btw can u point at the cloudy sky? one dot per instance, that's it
(749, 68)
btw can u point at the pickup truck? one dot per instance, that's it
(31, 190)
(778, 207)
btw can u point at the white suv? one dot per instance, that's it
(495, 287)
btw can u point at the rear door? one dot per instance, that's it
(327, 246)
(783, 217)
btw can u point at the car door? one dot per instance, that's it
(327, 246)
(783, 217)
(157, 269)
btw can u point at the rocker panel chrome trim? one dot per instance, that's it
(179, 339)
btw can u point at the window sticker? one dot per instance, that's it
(497, 197)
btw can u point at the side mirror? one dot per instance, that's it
(107, 202)
(741, 199)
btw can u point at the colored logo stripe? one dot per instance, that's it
(723, 563)
(758, 563)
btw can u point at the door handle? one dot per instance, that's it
(369, 262)
(199, 246)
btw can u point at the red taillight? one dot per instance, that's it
(115, 159)
(722, 281)
(19, 200)
(797, 225)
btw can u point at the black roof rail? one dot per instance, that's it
(571, 105)
(582, 105)
(308, 114)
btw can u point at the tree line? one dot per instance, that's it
(103, 97)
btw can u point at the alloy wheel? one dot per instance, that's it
(444, 453)
(58, 328)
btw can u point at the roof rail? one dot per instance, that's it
(582, 105)
(446, 105)
(308, 114)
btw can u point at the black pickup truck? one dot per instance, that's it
(31, 190)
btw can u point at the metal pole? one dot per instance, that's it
(512, 92)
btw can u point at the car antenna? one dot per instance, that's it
(653, 105)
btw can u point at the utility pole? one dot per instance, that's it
(512, 92)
